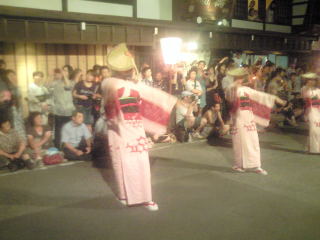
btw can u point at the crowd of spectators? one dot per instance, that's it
(65, 110)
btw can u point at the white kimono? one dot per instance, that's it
(249, 107)
(312, 115)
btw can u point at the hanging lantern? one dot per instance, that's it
(171, 48)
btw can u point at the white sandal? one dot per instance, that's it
(123, 201)
(151, 206)
(261, 171)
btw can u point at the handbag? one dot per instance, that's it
(52, 159)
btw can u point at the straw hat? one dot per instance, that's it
(238, 72)
(309, 75)
(120, 59)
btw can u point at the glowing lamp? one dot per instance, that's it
(171, 48)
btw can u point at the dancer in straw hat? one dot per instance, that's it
(131, 108)
(311, 96)
(248, 108)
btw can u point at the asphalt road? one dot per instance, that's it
(198, 195)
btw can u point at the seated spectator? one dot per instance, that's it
(185, 119)
(12, 148)
(38, 96)
(39, 138)
(208, 122)
(76, 138)
(147, 76)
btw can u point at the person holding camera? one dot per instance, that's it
(85, 93)
(185, 119)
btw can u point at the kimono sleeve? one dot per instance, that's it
(262, 104)
(155, 109)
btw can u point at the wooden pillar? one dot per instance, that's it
(99, 55)
(22, 73)
(91, 59)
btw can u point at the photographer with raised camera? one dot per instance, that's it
(84, 93)
(185, 119)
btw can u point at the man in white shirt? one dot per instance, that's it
(193, 85)
(76, 138)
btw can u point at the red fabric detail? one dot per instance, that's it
(140, 146)
(154, 113)
(310, 103)
(257, 108)
(260, 110)
(132, 116)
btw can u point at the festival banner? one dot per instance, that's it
(253, 7)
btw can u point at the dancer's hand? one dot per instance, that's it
(88, 150)
(79, 153)
(281, 102)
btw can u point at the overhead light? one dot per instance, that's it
(83, 26)
(199, 20)
(220, 23)
(171, 48)
(155, 32)
(252, 37)
(192, 46)
(210, 35)
(225, 22)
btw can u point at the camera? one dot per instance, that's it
(194, 98)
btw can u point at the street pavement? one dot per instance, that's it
(199, 197)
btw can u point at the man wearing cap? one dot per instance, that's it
(185, 118)
(248, 108)
(311, 96)
(130, 110)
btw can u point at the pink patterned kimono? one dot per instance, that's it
(248, 108)
(312, 115)
(130, 109)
